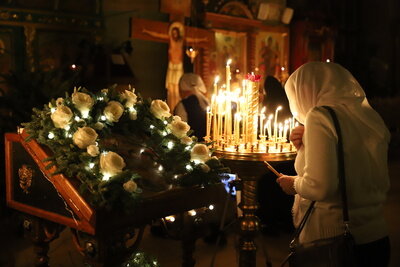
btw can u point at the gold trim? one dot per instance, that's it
(25, 173)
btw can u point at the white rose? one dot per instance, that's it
(84, 137)
(133, 115)
(159, 109)
(204, 167)
(62, 116)
(130, 186)
(113, 111)
(83, 102)
(93, 150)
(186, 140)
(200, 153)
(111, 163)
(98, 125)
(130, 97)
(178, 127)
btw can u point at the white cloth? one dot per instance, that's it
(365, 140)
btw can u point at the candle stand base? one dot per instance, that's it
(249, 167)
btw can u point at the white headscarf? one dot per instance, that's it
(193, 83)
(320, 83)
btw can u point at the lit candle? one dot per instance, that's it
(276, 123)
(228, 75)
(262, 116)
(280, 136)
(216, 80)
(269, 127)
(208, 122)
(285, 130)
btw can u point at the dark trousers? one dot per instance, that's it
(374, 254)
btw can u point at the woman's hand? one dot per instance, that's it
(296, 136)
(287, 184)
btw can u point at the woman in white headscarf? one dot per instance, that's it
(365, 141)
(193, 106)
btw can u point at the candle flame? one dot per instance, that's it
(279, 108)
(263, 109)
(270, 116)
(228, 62)
(216, 79)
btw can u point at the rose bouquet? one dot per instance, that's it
(117, 145)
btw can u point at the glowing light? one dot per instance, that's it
(160, 168)
(51, 135)
(164, 133)
(67, 128)
(170, 218)
(187, 148)
(165, 122)
(283, 69)
(151, 126)
(73, 66)
(228, 62)
(103, 118)
(91, 165)
(196, 161)
(192, 212)
(70, 135)
(189, 168)
(132, 109)
(170, 144)
(77, 118)
(175, 176)
(52, 110)
(100, 98)
(85, 114)
(216, 80)
(141, 150)
(106, 176)
(328, 60)
(211, 207)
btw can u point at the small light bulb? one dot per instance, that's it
(52, 110)
(328, 60)
(170, 218)
(151, 126)
(141, 150)
(103, 118)
(70, 135)
(91, 165)
(164, 133)
(77, 118)
(175, 176)
(211, 207)
(189, 168)
(188, 148)
(170, 144)
(106, 176)
(67, 128)
(192, 212)
(165, 122)
(85, 114)
(100, 98)
(51, 135)
(160, 168)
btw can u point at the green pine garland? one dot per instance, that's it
(133, 129)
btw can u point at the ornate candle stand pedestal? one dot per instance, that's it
(249, 167)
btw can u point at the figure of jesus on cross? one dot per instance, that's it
(176, 37)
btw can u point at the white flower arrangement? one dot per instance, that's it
(88, 133)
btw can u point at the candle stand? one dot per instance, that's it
(249, 167)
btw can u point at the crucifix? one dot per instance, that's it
(177, 36)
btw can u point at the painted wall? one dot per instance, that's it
(149, 59)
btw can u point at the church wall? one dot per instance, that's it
(148, 59)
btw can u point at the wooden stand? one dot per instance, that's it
(249, 167)
(50, 203)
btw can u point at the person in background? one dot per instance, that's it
(365, 145)
(193, 106)
(274, 205)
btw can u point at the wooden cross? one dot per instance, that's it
(201, 39)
